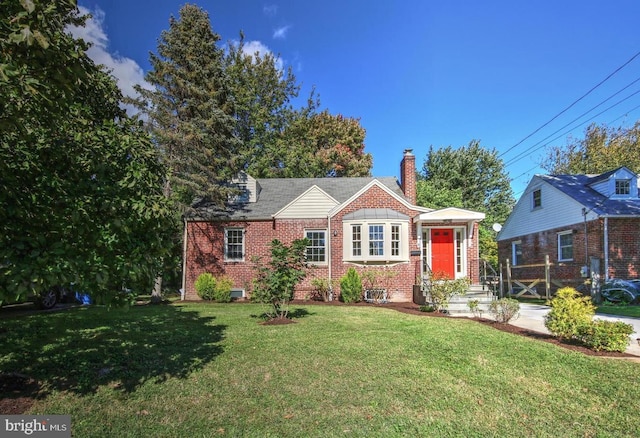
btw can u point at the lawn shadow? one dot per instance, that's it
(85, 348)
(291, 315)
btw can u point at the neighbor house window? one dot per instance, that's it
(356, 240)
(234, 244)
(623, 187)
(565, 246)
(317, 249)
(376, 240)
(536, 199)
(516, 252)
(395, 240)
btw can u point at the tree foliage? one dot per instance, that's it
(190, 109)
(470, 177)
(80, 182)
(602, 149)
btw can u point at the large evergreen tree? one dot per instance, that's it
(190, 109)
(80, 183)
(602, 149)
(470, 177)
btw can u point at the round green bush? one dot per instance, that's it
(570, 313)
(211, 289)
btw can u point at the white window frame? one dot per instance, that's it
(560, 247)
(533, 198)
(226, 244)
(364, 242)
(238, 293)
(324, 232)
(618, 184)
(514, 253)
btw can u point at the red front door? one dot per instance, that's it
(442, 251)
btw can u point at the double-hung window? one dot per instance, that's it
(565, 246)
(516, 253)
(623, 187)
(234, 244)
(317, 249)
(376, 240)
(536, 198)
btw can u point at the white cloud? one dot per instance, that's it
(270, 10)
(252, 47)
(126, 71)
(281, 32)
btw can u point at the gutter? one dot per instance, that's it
(183, 290)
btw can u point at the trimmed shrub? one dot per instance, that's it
(322, 288)
(606, 335)
(504, 309)
(570, 313)
(211, 289)
(441, 288)
(351, 286)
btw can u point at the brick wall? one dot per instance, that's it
(205, 249)
(624, 250)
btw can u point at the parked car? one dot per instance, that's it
(617, 290)
(45, 300)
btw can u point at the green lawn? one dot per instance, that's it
(202, 370)
(619, 309)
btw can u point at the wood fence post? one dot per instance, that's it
(547, 276)
(509, 277)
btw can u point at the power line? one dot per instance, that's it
(533, 148)
(572, 104)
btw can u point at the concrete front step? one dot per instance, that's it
(460, 303)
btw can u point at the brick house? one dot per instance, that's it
(365, 222)
(588, 225)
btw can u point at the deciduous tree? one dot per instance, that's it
(602, 149)
(80, 183)
(470, 177)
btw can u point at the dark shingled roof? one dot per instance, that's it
(276, 193)
(577, 187)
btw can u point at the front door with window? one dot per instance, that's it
(443, 251)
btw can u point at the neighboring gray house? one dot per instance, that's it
(588, 225)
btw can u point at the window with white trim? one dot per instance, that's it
(234, 244)
(565, 246)
(356, 240)
(623, 187)
(516, 253)
(395, 240)
(317, 249)
(536, 198)
(376, 241)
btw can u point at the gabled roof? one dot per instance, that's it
(277, 193)
(579, 188)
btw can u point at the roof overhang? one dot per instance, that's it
(452, 214)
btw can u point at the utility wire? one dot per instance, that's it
(572, 104)
(533, 147)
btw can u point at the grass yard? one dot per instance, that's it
(619, 309)
(206, 370)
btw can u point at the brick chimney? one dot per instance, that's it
(408, 175)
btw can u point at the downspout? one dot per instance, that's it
(183, 290)
(606, 248)
(329, 256)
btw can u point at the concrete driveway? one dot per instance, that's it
(532, 318)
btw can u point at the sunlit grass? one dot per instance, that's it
(213, 370)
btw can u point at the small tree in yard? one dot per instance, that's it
(276, 281)
(351, 286)
(441, 289)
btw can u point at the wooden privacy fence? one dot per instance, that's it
(528, 286)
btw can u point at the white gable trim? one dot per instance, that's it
(377, 183)
(313, 189)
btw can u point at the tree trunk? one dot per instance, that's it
(156, 293)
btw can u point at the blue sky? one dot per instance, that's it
(423, 73)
